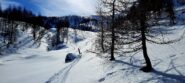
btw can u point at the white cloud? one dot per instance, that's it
(60, 7)
(66, 7)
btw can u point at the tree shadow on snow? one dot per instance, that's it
(167, 78)
(130, 69)
(164, 77)
(77, 39)
(156, 75)
(160, 76)
(58, 47)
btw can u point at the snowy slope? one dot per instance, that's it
(24, 39)
(39, 66)
(167, 60)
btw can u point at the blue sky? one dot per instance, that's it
(55, 7)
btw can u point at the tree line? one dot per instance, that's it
(12, 20)
(14, 16)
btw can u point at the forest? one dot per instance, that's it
(123, 32)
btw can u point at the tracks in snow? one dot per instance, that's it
(62, 75)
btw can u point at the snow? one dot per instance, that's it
(37, 65)
(30, 66)
(167, 60)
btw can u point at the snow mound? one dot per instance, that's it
(70, 57)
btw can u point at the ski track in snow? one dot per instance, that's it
(61, 76)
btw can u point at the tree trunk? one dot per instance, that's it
(102, 36)
(67, 35)
(34, 32)
(58, 36)
(148, 66)
(4, 31)
(113, 32)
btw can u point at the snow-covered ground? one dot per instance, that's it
(39, 66)
(167, 60)
(33, 65)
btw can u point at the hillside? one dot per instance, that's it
(37, 65)
(130, 41)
